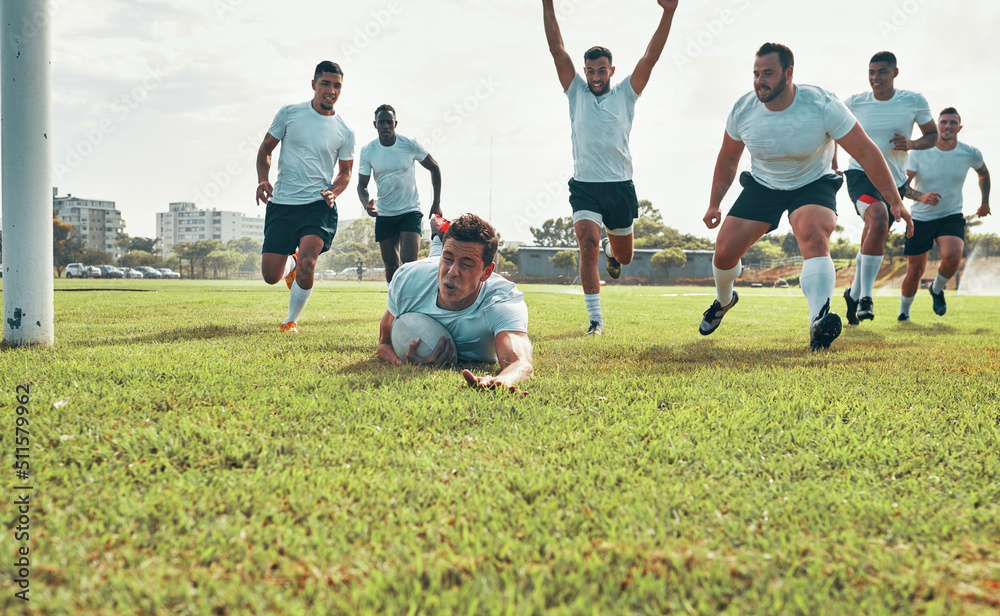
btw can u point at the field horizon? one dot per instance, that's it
(188, 458)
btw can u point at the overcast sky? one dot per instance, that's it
(161, 101)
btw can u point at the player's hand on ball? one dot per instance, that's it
(489, 382)
(440, 356)
(370, 208)
(930, 198)
(329, 196)
(264, 192)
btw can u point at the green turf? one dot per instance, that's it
(188, 458)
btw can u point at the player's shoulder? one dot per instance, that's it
(969, 150)
(746, 103)
(815, 94)
(500, 289)
(909, 95)
(859, 99)
(367, 148)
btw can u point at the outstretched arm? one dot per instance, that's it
(514, 354)
(640, 76)
(984, 187)
(564, 64)
(725, 172)
(863, 149)
(431, 165)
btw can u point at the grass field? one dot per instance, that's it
(187, 458)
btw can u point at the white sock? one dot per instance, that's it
(297, 301)
(856, 285)
(818, 280)
(869, 266)
(724, 280)
(289, 265)
(905, 303)
(940, 282)
(436, 247)
(593, 301)
(607, 250)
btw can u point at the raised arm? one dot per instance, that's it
(866, 153)
(564, 64)
(264, 189)
(431, 165)
(928, 139)
(725, 172)
(640, 76)
(984, 187)
(514, 354)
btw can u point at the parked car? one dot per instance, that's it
(95, 272)
(77, 270)
(150, 272)
(131, 272)
(166, 272)
(110, 271)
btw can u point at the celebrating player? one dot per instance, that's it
(301, 217)
(483, 311)
(939, 174)
(888, 116)
(397, 210)
(601, 190)
(790, 132)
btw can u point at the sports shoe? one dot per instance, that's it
(439, 226)
(290, 327)
(824, 328)
(290, 278)
(596, 329)
(903, 317)
(866, 310)
(852, 308)
(712, 317)
(940, 307)
(614, 267)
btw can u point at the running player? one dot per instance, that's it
(301, 217)
(601, 190)
(887, 114)
(939, 174)
(790, 132)
(397, 212)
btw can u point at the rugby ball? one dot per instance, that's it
(412, 325)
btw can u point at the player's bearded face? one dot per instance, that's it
(767, 93)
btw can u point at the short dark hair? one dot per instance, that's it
(598, 52)
(884, 56)
(473, 229)
(784, 54)
(327, 67)
(951, 111)
(385, 107)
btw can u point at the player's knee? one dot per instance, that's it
(624, 259)
(306, 266)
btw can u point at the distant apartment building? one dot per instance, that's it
(185, 223)
(98, 223)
